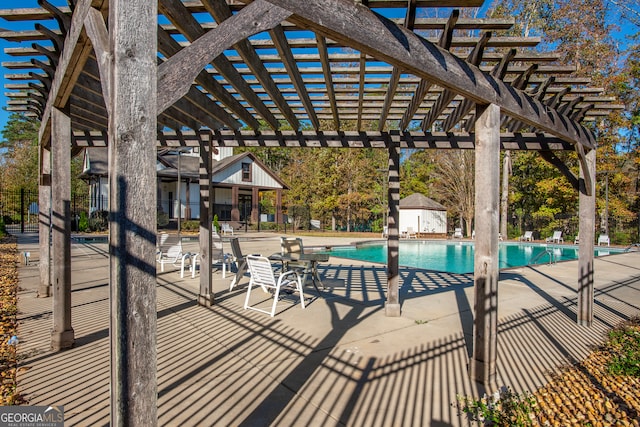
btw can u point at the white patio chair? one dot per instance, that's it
(262, 275)
(527, 236)
(604, 238)
(218, 257)
(411, 234)
(239, 259)
(226, 228)
(170, 252)
(457, 234)
(556, 238)
(577, 239)
(293, 247)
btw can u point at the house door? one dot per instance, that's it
(244, 206)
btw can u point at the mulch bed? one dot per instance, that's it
(585, 394)
(8, 323)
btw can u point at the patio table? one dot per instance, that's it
(312, 258)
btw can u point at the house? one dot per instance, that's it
(238, 183)
(422, 214)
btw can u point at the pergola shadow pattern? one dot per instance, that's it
(227, 366)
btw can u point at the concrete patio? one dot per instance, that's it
(340, 361)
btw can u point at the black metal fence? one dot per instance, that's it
(19, 210)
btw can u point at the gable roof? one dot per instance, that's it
(420, 201)
(96, 164)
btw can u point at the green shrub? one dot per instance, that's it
(83, 222)
(215, 222)
(98, 221)
(162, 218)
(190, 225)
(624, 345)
(503, 408)
(3, 228)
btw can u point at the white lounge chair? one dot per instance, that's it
(385, 231)
(527, 236)
(411, 234)
(457, 234)
(170, 252)
(556, 238)
(218, 257)
(577, 239)
(226, 228)
(262, 275)
(604, 238)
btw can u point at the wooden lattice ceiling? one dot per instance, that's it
(297, 76)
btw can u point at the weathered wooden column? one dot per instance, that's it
(392, 306)
(132, 219)
(44, 222)
(255, 204)
(62, 335)
(205, 297)
(235, 211)
(279, 218)
(504, 199)
(485, 275)
(587, 200)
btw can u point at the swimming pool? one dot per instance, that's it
(457, 257)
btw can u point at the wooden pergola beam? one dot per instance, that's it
(312, 139)
(280, 41)
(377, 36)
(221, 11)
(174, 79)
(328, 76)
(77, 48)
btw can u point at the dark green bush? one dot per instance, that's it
(190, 225)
(83, 222)
(98, 221)
(163, 218)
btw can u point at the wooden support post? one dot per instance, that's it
(62, 334)
(235, 211)
(132, 196)
(44, 222)
(279, 217)
(587, 237)
(205, 297)
(255, 203)
(487, 176)
(392, 306)
(504, 199)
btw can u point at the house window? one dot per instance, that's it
(246, 172)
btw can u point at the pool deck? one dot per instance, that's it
(340, 361)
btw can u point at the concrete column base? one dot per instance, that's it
(584, 322)
(482, 374)
(392, 310)
(205, 300)
(62, 340)
(44, 291)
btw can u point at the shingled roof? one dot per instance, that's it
(420, 201)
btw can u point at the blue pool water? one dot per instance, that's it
(457, 257)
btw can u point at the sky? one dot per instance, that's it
(626, 29)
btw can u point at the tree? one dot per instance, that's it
(19, 150)
(19, 157)
(454, 176)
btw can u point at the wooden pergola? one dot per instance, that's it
(138, 74)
